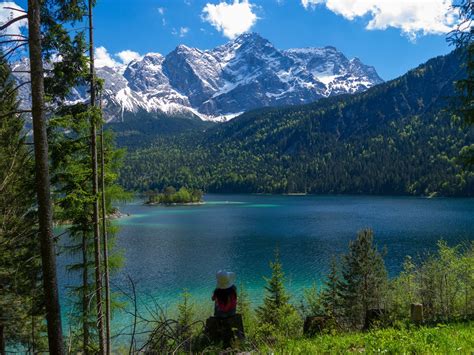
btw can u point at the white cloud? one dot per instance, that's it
(182, 32)
(9, 14)
(412, 17)
(127, 56)
(104, 59)
(232, 19)
(161, 10)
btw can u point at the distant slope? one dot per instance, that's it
(395, 138)
(138, 132)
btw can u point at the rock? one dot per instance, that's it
(225, 330)
(314, 325)
(416, 313)
(373, 316)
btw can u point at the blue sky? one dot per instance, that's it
(392, 35)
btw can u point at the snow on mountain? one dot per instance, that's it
(246, 73)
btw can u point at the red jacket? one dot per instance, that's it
(225, 300)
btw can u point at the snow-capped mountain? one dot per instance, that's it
(246, 73)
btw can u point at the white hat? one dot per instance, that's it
(225, 279)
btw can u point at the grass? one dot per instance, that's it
(440, 339)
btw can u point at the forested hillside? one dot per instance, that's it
(396, 138)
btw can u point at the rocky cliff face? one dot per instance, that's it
(244, 74)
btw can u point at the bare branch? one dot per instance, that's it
(15, 113)
(12, 21)
(13, 35)
(13, 41)
(16, 88)
(15, 9)
(132, 341)
(13, 49)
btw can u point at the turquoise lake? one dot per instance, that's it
(168, 249)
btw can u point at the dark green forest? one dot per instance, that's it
(396, 138)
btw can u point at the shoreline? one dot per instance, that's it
(174, 204)
(112, 216)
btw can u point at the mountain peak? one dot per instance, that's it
(251, 38)
(243, 74)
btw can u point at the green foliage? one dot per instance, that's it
(185, 318)
(244, 307)
(21, 299)
(311, 304)
(57, 17)
(331, 300)
(364, 279)
(72, 183)
(276, 327)
(396, 138)
(442, 339)
(170, 196)
(443, 283)
(143, 128)
(276, 316)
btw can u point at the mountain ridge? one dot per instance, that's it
(220, 83)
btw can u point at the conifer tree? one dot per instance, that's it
(95, 186)
(72, 170)
(244, 307)
(364, 278)
(276, 296)
(330, 298)
(185, 320)
(45, 213)
(20, 289)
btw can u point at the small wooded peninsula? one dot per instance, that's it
(170, 196)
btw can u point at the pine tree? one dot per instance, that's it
(364, 278)
(244, 308)
(185, 319)
(20, 293)
(276, 296)
(72, 170)
(95, 187)
(45, 212)
(330, 298)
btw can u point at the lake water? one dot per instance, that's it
(168, 249)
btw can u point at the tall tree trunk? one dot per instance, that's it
(105, 242)
(85, 294)
(2, 339)
(95, 191)
(45, 213)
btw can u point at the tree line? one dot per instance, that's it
(170, 195)
(396, 138)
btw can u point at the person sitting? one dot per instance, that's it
(225, 295)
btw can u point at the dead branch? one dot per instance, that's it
(19, 112)
(6, 54)
(12, 21)
(13, 35)
(16, 88)
(13, 41)
(15, 9)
